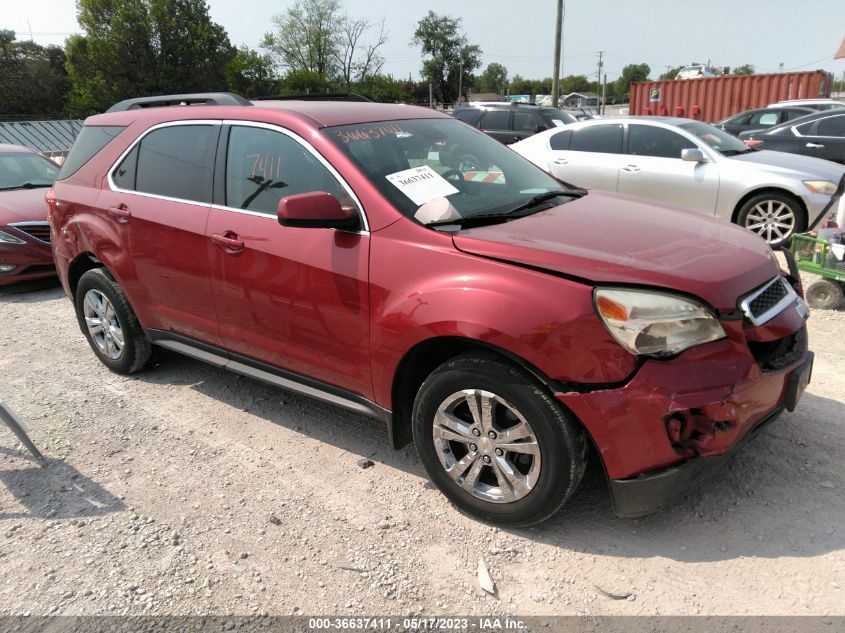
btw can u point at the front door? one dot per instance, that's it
(295, 298)
(653, 169)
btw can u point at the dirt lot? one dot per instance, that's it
(189, 490)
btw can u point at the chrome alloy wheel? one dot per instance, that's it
(773, 220)
(103, 325)
(486, 446)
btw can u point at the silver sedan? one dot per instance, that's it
(690, 164)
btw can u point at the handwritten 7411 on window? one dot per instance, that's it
(265, 166)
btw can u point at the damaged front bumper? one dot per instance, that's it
(677, 421)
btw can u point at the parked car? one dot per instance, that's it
(696, 71)
(813, 104)
(759, 119)
(512, 122)
(689, 163)
(24, 233)
(818, 135)
(504, 323)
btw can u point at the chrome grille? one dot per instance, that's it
(767, 301)
(38, 230)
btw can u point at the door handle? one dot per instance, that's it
(631, 168)
(560, 161)
(814, 146)
(228, 241)
(120, 213)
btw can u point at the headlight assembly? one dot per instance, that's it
(655, 324)
(823, 187)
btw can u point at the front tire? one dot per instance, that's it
(773, 216)
(109, 324)
(495, 442)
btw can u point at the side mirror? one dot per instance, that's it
(316, 209)
(540, 128)
(693, 155)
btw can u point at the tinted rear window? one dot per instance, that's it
(605, 139)
(91, 140)
(496, 120)
(175, 161)
(470, 116)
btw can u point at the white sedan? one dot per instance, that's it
(690, 164)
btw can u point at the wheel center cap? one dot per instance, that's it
(485, 444)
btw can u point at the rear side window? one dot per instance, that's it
(263, 166)
(605, 139)
(743, 119)
(469, 116)
(832, 126)
(560, 141)
(176, 161)
(91, 140)
(496, 120)
(123, 175)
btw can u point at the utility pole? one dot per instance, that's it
(603, 95)
(556, 75)
(430, 96)
(461, 79)
(598, 74)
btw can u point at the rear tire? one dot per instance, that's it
(109, 324)
(824, 295)
(495, 442)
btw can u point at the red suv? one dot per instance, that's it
(400, 263)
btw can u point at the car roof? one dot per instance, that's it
(319, 113)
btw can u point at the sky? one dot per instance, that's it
(519, 34)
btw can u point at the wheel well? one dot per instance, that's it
(757, 192)
(424, 358)
(78, 267)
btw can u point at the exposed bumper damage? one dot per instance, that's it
(678, 420)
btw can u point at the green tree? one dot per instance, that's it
(493, 79)
(632, 73)
(251, 74)
(745, 69)
(33, 80)
(451, 59)
(575, 83)
(133, 48)
(306, 37)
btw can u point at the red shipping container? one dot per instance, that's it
(715, 98)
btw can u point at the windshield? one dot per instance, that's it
(716, 138)
(555, 114)
(20, 170)
(442, 164)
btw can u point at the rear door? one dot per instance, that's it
(295, 298)
(591, 158)
(653, 169)
(826, 139)
(159, 197)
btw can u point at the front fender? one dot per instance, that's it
(546, 320)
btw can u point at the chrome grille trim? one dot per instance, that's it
(789, 297)
(37, 230)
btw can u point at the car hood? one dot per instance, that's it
(610, 238)
(806, 167)
(23, 205)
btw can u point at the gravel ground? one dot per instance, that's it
(189, 490)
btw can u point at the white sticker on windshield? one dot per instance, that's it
(558, 122)
(421, 184)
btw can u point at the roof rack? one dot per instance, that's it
(317, 96)
(199, 98)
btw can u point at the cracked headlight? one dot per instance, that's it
(655, 324)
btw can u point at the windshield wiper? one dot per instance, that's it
(28, 185)
(516, 212)
(547, 195)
